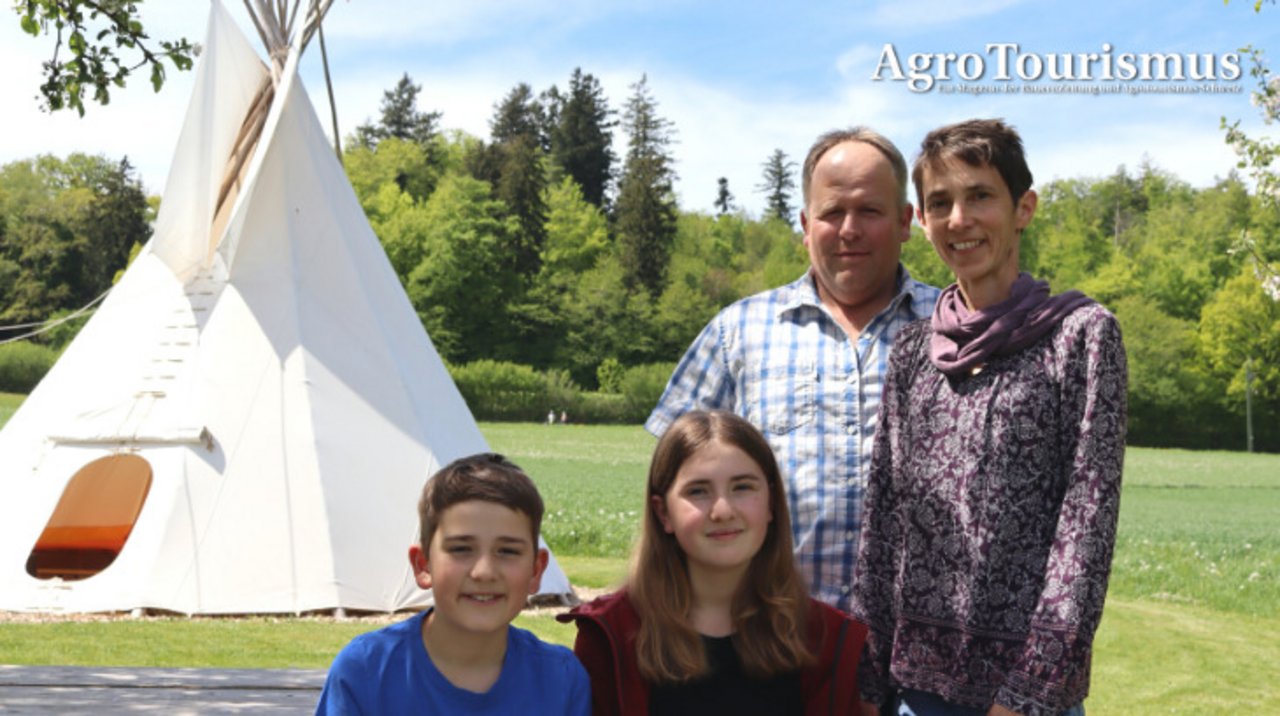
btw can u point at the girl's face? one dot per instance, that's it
(718, 508)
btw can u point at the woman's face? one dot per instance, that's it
(974, 225)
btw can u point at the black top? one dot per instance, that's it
(727, 689)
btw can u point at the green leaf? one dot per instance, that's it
(30, 26)
(157, 75)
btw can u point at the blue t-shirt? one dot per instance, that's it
(388, 671)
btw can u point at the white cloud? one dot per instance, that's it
(922, 13)
(721, 131)
(729, 135)
(394, 21)
(859, 62)
(1188, 151)
(138, 122)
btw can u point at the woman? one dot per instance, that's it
(995, 482)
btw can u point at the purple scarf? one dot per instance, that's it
(963, 339)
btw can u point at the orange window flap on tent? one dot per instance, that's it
(93, 518)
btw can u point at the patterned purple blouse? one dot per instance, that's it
(990, 519)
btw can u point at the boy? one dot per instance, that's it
(479, 555)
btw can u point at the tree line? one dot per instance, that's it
(544, 245)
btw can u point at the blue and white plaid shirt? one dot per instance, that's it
(780, 360)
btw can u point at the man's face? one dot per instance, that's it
(854, 227)
(481, 566)
(974, 225)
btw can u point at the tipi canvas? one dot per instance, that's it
(245, 424)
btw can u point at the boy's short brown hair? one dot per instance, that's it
(487, 477)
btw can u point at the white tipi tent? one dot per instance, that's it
(245, 424)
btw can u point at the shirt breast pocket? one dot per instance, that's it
(788, 399)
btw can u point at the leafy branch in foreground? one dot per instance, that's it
(106, 42)
(1257, 156)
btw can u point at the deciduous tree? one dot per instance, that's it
(66, 227)
(98, 44)
(460, 288)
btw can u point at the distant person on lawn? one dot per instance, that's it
(479, 555)
(804, 362)
(995, 483)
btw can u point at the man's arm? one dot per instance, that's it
(1059, 644)
(702, 379)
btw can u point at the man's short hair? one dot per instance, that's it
(976, 142)
(487, 477)
(866, 135)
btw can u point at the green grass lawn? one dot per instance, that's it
(1192, 624)
(1202, 529)
(9, 402)
(591, 478)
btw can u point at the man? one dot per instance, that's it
(804, 362)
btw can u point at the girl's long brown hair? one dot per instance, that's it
(770, 606)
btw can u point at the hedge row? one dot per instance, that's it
(23, 364)
(493, 390)
(512, 392)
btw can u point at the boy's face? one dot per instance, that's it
(481, 564)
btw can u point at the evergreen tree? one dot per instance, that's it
(724, 198)
(778, 186)
(646, 207)
(552, 103)
(518, 115)
(577, 236)
(521, 184)
(115, 220)
(581, 134)
(400, 117)
(483, 161)
(517, 156)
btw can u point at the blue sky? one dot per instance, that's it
(737, 79)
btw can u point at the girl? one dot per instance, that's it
(714, 617)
